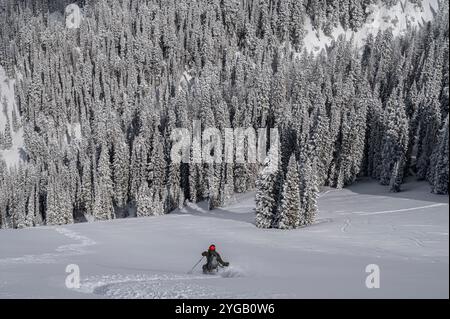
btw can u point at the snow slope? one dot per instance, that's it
(406, 234)
(399, 18)
(15, 154)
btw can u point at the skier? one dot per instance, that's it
(213, 260)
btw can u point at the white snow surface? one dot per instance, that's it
(400, 18)
(405, 234)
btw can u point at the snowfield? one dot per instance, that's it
(405, 234)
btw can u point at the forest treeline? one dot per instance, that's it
(97, 105)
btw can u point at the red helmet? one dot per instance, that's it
(212, 247)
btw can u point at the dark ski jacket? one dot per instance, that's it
(210, 254)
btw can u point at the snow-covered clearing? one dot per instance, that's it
(405, 234)
(399, 18)
(14, 155)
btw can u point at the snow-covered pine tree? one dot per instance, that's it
(15, 121)
(320, 140)
(144, 201)
(52, 204)
(7, 137)
(156, 168)
(72, 180)
(429, 118)
(265, 195)
(66, 213)
(38, 218)
(18, 212)
(296, 23)
(195, 172)
(158, 207)
(121, 171)
(439, 179)
(429, 122)
(395, 142)
(31, 208)
(356, 15)
(308, 190)
(138, 163)
(103, 202)
(86, 198)
(289, 212)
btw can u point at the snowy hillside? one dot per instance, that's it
(16, 153)
(405, 234)
(314, 143)
(399, 18)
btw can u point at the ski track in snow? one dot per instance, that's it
(78, 248)
(162, 286)
(156, 286)
(399, 210)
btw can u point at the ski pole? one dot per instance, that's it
(190, 271)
